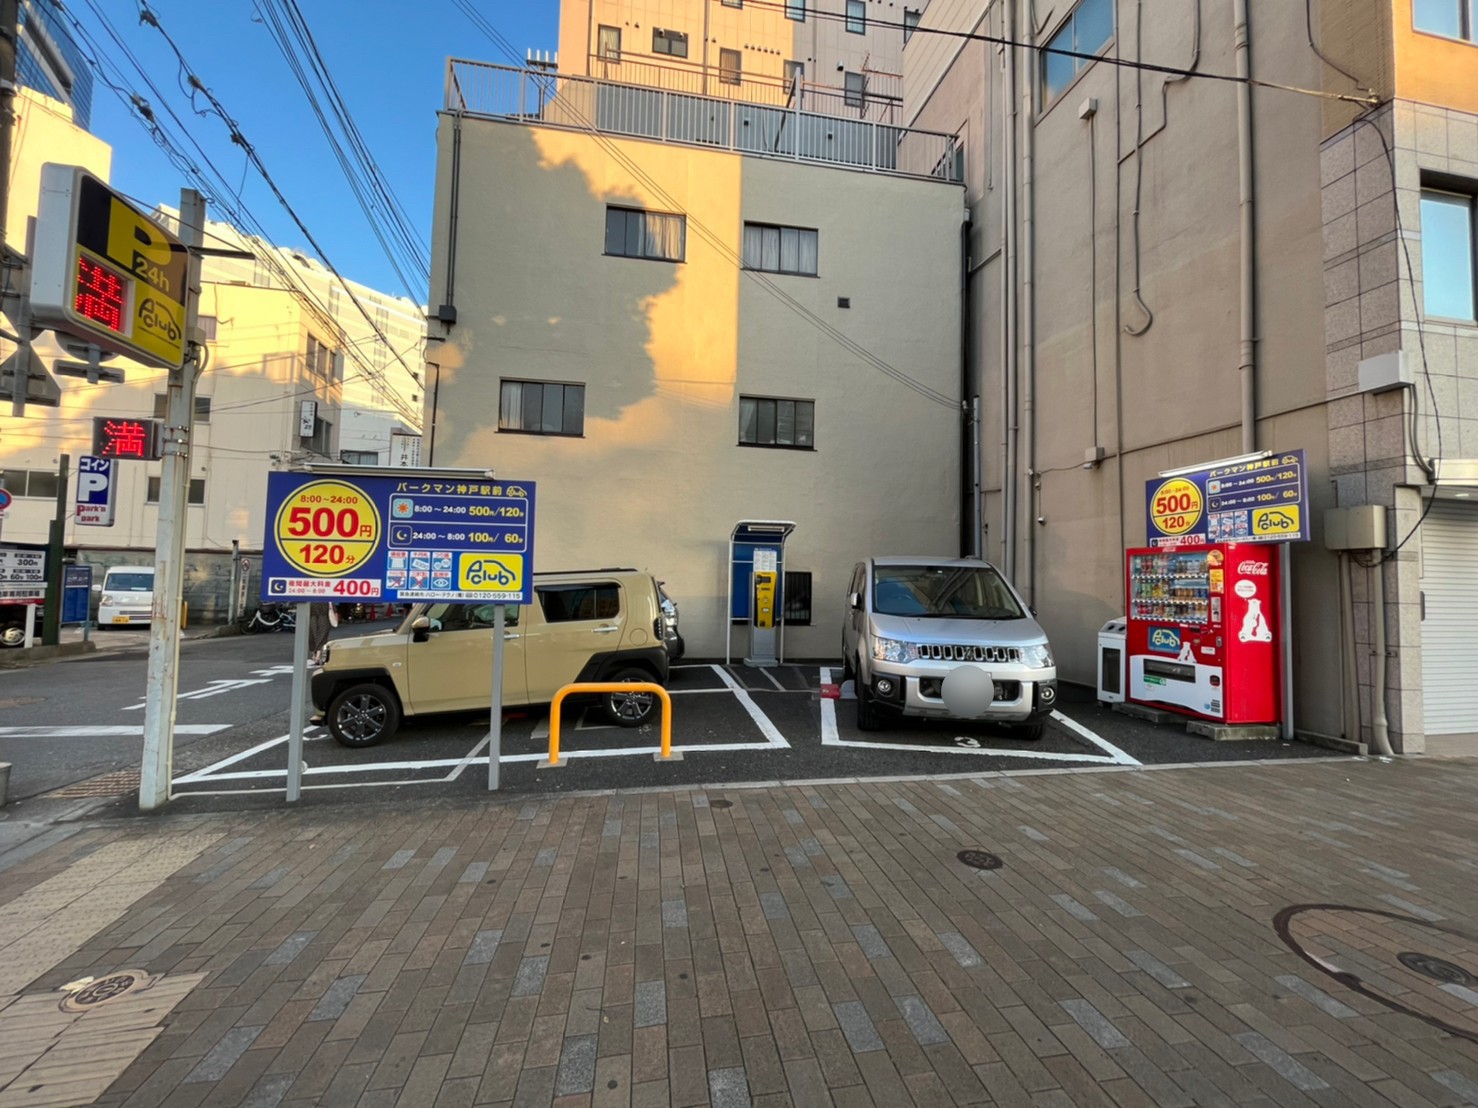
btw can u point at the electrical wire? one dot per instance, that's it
(1104, 59)
(715, 241)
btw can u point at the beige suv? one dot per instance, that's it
(600, 625)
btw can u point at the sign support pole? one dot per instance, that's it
(1285, 629)
(300, 689)
(495, 718)
(169, 576)
(51, 623)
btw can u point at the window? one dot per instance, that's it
(1448, 255)
(857, 17)
(568, 603)
(202, 407)
(795, 74)
(1086, 31)
(359, 457)
(780, 249)
(542, 408)
(609, 43)
(1453, 18)
(795, 598)
(320, 360)
(674, 43)
(769, 421)
(195, 496)
(39, 483)
(322, 439)
(207, 325)
(795, 9)
(856, 90)
(469, 617)
(730, 64)
(636, 234)
(911, 19)
(733, 3)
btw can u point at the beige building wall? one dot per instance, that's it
(664, 350)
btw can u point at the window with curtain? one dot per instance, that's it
(632, 233)
(1087, 30)
(1452, 18)
(1449, 268)
(857, 17)
(608, 43)
(780, 249)
(730, 67)
(773, 421)
(855, 94)
(542, 408)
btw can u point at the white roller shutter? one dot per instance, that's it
(1450, 628)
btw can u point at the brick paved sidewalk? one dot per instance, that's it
(807, 945)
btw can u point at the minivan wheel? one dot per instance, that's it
(630, 709)
(1031, 732)
(363, 715)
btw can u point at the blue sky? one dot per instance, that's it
(388, 59)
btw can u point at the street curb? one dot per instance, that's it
(19, 659)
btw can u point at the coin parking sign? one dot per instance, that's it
(398, 538)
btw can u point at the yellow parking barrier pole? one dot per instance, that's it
(666, 754)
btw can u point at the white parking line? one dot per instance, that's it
(104, 732)
(774, 682)
(831, 736)
(201, 774)
(769, 730)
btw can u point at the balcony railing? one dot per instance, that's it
(880, 99)
(608, 107)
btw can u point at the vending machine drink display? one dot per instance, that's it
(1203, 634)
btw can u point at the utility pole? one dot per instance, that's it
(51, 623)
(169, 553)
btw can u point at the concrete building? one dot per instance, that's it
(838, 57)
(288, 362)
(48, 60)
(675, 312)
(1123, 318)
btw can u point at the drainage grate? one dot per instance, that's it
(1438, 969)
(109, 784)
(90, 992)
(979, 859)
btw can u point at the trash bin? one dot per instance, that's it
(1111, 638)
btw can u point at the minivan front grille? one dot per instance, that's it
(958, 652)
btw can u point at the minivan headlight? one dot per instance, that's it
(1037, 656)
(892, 650)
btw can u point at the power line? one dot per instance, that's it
(712, 238)
(1369, 101)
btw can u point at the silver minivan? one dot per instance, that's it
(945, 638)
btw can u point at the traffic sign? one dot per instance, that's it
(96, 499)
(105, 272)
(398, 538)
(5, 499)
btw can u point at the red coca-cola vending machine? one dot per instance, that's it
(1203, 633)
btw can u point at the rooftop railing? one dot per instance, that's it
(663, 115)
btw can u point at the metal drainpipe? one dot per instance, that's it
(1008, 307)
(1379, 729)
(1247, 363)
(1028, 299)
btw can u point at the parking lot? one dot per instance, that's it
(731, 724)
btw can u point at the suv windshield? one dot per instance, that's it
(943, 592)
(130, 582)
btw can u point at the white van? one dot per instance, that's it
(127, 597)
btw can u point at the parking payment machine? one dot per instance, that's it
(756, 588)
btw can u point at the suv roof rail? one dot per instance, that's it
(565, 572)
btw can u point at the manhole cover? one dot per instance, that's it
(84, 995)
(1438, 969)
(979, 859)
(20, 701)
(720, 803)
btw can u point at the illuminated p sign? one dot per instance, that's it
(95, 491)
